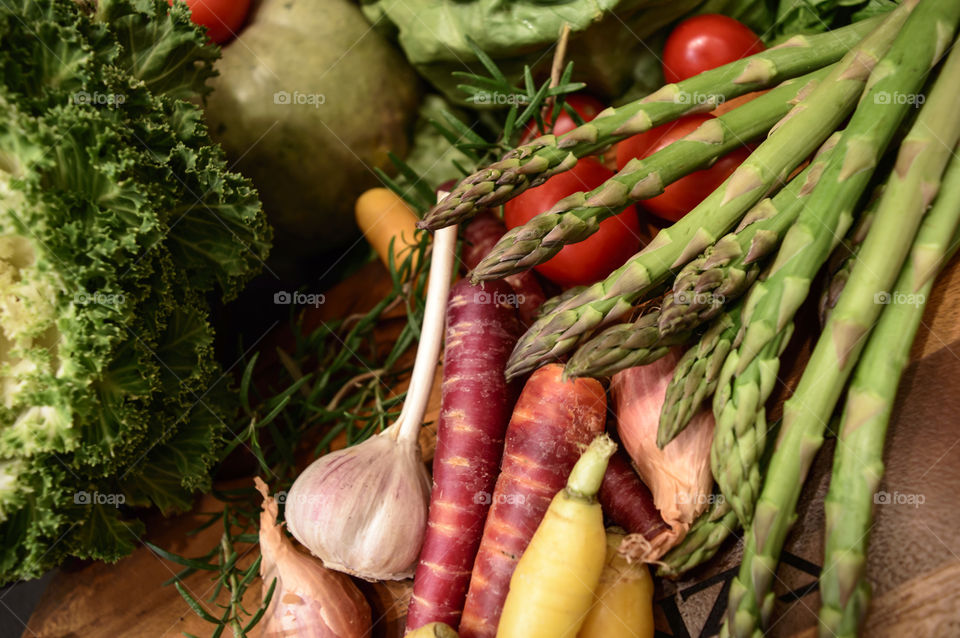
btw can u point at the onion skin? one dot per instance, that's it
(308, 600)
(678, 475)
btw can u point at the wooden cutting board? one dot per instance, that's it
(914, 553)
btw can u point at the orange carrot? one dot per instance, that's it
(551, 424)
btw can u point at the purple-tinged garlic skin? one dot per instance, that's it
(309, 601)
(363, 509)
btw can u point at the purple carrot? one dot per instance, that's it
(627, 501)
(481, 235)
(475, 407)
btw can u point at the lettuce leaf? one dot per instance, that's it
(606, 36)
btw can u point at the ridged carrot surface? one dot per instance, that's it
(552, 423)
(475, 407)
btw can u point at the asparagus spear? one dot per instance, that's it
(644, 340)
(702, 541)
(912, 184)
(740, 434)
(556, 301)
(623, 346)
(829, 210)
(576, 217)
(795, 137)
(727, 269)
(707, 533)
(750, 372)
(839, 266)
(858, 458)
(531, 164)
(695, 377)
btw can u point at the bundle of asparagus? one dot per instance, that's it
(805, 127)
(737, 268)
(909, 189)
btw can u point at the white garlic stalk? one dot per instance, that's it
(363, 509)
(308, 600)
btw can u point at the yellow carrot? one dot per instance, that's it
(553, 586)
(384, 217)
(433, 630)
(624, 598)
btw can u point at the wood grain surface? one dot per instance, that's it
(914, 552)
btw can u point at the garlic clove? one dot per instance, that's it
(363, 509)
(308, 600)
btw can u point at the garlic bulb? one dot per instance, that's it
(363, 510)
(308, 600)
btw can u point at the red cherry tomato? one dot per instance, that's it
(585, 106)
(680, 197)
(705, 42)
(593, 258)
(222, 18)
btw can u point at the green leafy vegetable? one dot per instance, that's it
(117, 218)
(775, 20)
(438, 37)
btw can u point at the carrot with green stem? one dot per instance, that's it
(552, 588)
(553, 421)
